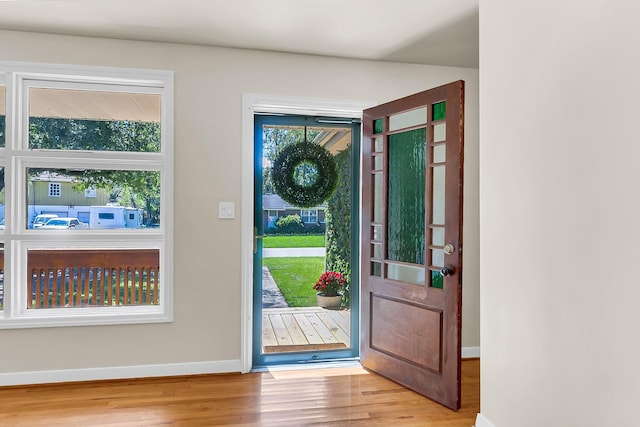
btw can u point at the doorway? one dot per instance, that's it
(294, 243)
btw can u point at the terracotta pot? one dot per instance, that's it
(328, 302)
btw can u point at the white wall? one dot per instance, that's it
(560, 212)
(209, 84)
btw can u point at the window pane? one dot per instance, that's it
(57, 199)
(378, 197)
(89, 278)
(406, 273)
(439, 110)
(378, 126)
(408, 119)
(406, 197)
(3, 103)
(64, 119)
(436, 280)
(439, 177)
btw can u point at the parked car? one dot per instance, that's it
(41, 219)
(63, 224)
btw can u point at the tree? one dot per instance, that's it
(132, 187)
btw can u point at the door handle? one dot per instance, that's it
(256, 236)
(447, 271)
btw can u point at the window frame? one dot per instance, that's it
(55, 189)
(16, 157)
(310, 214)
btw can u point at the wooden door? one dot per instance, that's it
(412, 241)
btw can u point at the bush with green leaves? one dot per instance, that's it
(290, 224)
(338, 218)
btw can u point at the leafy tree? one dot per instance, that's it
(135, 188)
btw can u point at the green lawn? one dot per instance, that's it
(295, 277)
(295, 241)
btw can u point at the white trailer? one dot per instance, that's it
(114, 216)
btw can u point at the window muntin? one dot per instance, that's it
(55, 189)
(144, 151)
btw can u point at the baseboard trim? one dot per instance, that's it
(142, 371)
(470, 352)
(482, 421)
(119, 372)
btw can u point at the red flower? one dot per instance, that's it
(330, 283)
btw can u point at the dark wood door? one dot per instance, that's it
(412, 241)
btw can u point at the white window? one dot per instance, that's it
(55, 189)
(95, 132)
(309, 215)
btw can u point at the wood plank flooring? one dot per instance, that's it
(333, 396)
(304, 329)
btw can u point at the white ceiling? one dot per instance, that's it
(436, 32)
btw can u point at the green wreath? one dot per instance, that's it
(286, 167)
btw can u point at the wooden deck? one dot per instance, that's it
(304, 329)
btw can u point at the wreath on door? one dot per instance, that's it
(304, 174)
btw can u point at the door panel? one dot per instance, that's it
(411, 252)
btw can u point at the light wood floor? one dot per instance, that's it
(304, 329)
(330, 396)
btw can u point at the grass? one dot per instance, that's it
(295, 277)
(295, 241)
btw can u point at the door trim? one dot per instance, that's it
(270, 104)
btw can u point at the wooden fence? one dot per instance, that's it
(81, 278)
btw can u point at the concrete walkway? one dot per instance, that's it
(292, 252)
(271, 295)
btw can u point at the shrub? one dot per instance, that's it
(289, 224)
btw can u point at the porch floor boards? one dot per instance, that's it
(304, 329)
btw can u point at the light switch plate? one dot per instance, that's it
(226, 210)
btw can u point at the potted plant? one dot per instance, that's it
(329, 285)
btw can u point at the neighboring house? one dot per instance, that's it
(57, 194)
(274, 207)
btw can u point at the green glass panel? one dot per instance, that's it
(376, 269)
(437, 281)
(440, 110)
(378, 126)
(406, 197)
